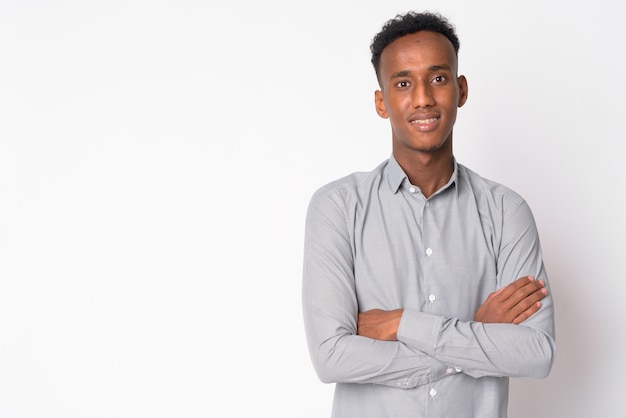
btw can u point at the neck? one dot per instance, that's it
(428, 171)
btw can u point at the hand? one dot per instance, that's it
(379, 324)
(514, 303)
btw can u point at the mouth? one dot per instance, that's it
(425, 123)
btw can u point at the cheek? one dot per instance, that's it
(396, 105)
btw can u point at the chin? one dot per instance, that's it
(430, 148)
(424, 146)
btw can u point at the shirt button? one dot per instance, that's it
(449, 370)
(432, 298)
(412, 189)
(433, 392)
(429, 251)
(427, 204)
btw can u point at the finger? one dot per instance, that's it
(531, 286)
(508, 290)
(527, 313)
(529, 303)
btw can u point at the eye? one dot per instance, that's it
(440, 79)
(403, 84)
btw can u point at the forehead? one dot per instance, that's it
(418, 50)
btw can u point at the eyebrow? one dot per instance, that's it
(432, 68)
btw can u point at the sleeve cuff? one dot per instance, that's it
(419, 330)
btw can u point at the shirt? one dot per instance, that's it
(373, 241)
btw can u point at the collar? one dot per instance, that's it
(397, 178)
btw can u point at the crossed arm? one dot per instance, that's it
(512, 304)
(406, 347)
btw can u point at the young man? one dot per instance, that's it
(424, 288)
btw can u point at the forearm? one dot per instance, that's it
(480, 349)
(341, 356)
(495, 349)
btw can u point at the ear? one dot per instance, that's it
(462, 90)
(379, 101)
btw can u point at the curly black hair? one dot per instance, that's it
(409, 23)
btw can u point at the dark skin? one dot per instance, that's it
(512, 304)
(420, 92)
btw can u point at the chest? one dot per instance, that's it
(438, 257)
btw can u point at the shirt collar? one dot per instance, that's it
(397, 177)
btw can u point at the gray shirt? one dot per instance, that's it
(373, 241)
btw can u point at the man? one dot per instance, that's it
(424, 288)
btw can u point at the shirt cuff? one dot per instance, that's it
(419, 330)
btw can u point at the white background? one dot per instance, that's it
(157, 158)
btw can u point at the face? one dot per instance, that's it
(420, 92)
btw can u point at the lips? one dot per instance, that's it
(425, 122)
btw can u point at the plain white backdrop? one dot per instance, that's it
(157, 158)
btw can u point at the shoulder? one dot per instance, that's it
(334, 204)
(490, 193)
(349, 187)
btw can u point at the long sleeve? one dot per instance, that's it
(331, 308)
(525, 350)
(374, 241)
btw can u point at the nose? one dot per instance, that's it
(422, 96)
